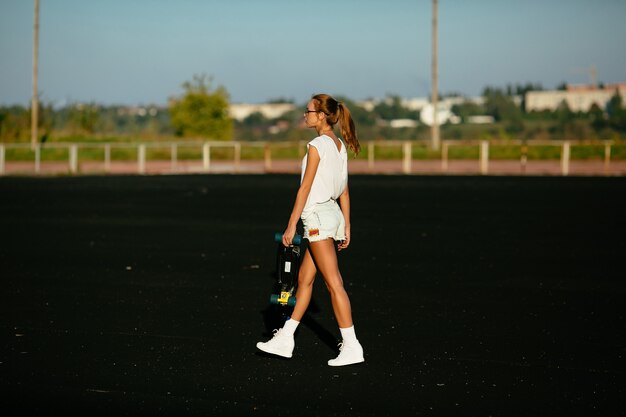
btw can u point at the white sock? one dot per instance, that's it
(347, 334)
(290, 326)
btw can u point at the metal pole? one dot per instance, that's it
(484, 157)
(237, 156)
(37, 158)
(141, 159)
(206, 157)
(34, 133)
(107, 157)
(73, 159)
(406, 161)
(565, 156)
(2, 159)
(435, 81)
(524, 157)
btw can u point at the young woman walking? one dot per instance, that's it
(324, 182)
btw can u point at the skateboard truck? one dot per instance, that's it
(285, 298)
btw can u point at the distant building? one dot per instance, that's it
(480, 120)
(579, 98)
(418, 104)
(444, 114)
(402, 123)
(138, 111)
(268, 110)
(425, 108)
(414, 103)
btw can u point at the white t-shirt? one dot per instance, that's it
(332, 173)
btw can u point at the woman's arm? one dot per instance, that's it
(313, 160)
(344, 203)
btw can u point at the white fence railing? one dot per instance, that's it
(141, 150)
(204, 148)
(565, 152)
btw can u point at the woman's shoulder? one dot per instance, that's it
(321, 141)
(323, 144)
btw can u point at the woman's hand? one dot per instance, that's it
(346, 242)
(288, 235)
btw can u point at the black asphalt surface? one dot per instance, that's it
(474, 296)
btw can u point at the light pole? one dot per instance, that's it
(434, 129)
(35, 99)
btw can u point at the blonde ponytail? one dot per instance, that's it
(348, 129)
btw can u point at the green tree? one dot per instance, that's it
(570, 124)
(466, 109)
(616, 112)
(14, 123)
(201, 111)
(596, 114)
(563, 113)
(84, 118)
(255, 119)
(503, 109)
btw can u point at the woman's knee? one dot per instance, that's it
(306, 281)
(335, 285)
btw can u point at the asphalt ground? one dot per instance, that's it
(477, 296)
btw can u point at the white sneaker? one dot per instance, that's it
(281, 344)
(349, 354)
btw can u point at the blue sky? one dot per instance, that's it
(141, 51)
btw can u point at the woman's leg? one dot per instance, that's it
(325, 258)
(306, 277)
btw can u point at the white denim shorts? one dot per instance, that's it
(325, 221)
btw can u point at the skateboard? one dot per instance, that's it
(287, 265)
